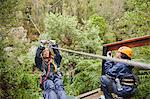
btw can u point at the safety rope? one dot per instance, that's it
(132, 63)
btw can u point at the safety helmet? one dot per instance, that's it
(126, 50)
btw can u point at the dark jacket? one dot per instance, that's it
(121, 71)
(117, 70)
(38, 58)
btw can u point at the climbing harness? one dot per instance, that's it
(47, 57)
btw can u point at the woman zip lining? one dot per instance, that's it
(51, 78)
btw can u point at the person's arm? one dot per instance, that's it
(108, 64)
(57, 57)
(38, 58)
(115, 71)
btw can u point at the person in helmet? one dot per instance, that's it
(118, 77)
(49, 63)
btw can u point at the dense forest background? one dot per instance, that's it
(83, 25)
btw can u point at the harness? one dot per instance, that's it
(45, 74)
(128, 82)
(124, 81)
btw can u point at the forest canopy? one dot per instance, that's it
(82, 25)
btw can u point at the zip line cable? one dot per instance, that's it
(56, 3)
(34, 24)
(132, 63)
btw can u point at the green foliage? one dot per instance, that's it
(134, 22)
(63, 30)
(100, 22)
(87, 76)
(105, 32)
(17, 79)
(15, 73)
(9, 13)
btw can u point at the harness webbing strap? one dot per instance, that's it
(127, 83)
(127, 80)
(48, 71)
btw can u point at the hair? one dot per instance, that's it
(124, 56)
(44, 52)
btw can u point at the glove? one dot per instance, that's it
(109, 54)
(44, 42)
(52, 42)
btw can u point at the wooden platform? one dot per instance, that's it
(94, 94)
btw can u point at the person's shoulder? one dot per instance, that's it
(122, 64)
